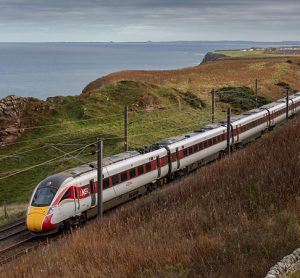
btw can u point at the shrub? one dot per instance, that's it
(240, 98)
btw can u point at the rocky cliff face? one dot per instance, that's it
(211, 57)
(17, 113)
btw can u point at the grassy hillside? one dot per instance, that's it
(234, 218)
(203, 78)
(261, 53)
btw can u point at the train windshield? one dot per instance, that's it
(43, 196)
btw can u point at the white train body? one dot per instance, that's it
(72, 195)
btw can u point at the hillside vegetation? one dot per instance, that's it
(234, 218)
(240, 98)
(161, 104)
(224, 73)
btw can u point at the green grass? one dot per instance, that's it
(154, 113)
(255, 53)
(241, 53)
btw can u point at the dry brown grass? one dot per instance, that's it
(234, 218)
(201, 79)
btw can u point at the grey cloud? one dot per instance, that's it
(134, 19)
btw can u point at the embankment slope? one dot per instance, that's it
(234, 218)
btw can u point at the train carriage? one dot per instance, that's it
(71, 196)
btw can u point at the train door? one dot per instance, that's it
(178, 158)
(92, 191)
(158, 167)
(269, 118)
(76, 199)
(293, 106)
(67, 205)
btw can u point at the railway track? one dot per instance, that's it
(15, 240)
(10, 230)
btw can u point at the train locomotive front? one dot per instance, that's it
(42, 211)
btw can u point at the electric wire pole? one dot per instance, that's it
(213, 106)
(126, 128)
(228, 129)
(100, 177)
(287, 105)
(256, 92)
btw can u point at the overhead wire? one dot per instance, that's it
(76, 139)
(56, 135)
(41, 164)
(68, 122)
(91, 119)
(21, 153)
(12, 173)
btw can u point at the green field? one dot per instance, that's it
(252, 53)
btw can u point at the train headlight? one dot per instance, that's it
(51, 210)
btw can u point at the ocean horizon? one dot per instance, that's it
(46, 69)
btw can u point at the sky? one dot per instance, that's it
(144, 20)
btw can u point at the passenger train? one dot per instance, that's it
(70, 197)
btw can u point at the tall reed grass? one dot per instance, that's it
(233, 218)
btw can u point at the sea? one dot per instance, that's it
(43, 70)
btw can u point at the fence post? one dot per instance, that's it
(5, 211)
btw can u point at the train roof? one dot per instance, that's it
(77, 171)
(85, 168)
(54, 180)
(172, 140)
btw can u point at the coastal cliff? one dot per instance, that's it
(212, 56)
(17, 113)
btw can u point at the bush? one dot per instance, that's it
(240, 98)
(193, 100)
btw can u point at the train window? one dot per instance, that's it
(67, 194)
(200, 146)
(190, 150)
(209, 143)
(140, 170)
(105, 183)
(196, 148)
(185, 153)
(132, 173)
(115, 179)
(124, 176)
(148, 167)
(43, 196)
(215, 140)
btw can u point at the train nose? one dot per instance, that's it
(35, 218)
